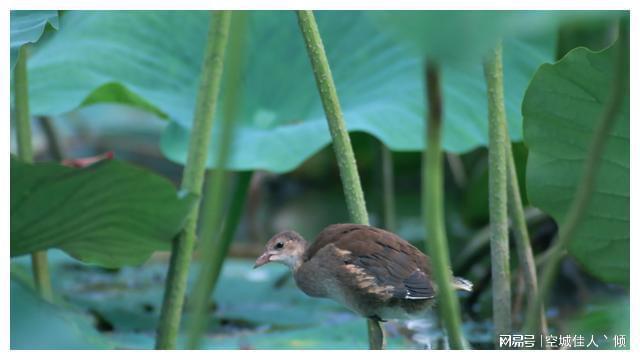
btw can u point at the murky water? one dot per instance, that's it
(246, 311)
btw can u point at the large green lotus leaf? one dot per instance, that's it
(110, 213)
(561, 109)
(467, 36)
(459, 35)
(37, 324)
(27, 26)
(152, 59)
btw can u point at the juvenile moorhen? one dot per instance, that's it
(373, 272)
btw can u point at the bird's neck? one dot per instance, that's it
(296, 265)
(298, 259)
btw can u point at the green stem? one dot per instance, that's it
(41, 277)
(457, 169)
(213, 251)
(619, 87)
(229, 227)
(500, 278)
(213, 248)
(375, 335)
(193, 176)
(433, 211)
(480, 241)
(23, 123)
(39, 263)
(521, 235)
(388, 201)
(55, 148)
(341, 142)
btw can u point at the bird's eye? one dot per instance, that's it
(279, 245)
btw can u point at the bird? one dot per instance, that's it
(371, 271)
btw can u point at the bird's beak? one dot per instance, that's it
(263, 259)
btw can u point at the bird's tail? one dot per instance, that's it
(462, 284)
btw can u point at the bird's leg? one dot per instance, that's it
(376, 334)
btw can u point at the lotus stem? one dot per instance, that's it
(521, 235)
(341, 141)
(214, 242)
(329, 96)
(499, 220)
(433, 211)
(53, 142)
(480, 241)
(227, 230)
(39, 262)
(193, 178)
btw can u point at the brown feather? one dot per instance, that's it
(387, 264)
(371, 271)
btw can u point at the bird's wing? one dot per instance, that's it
(377, 261)
(329, 235)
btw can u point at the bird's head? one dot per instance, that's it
(286, 247)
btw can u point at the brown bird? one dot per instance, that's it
(371, 271)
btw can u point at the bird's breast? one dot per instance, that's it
(310, 281)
